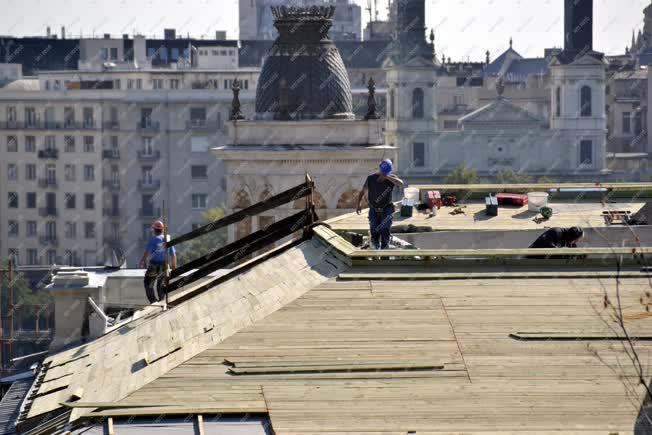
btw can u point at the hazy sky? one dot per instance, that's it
(464, 28)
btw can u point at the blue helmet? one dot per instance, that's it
(386, 167)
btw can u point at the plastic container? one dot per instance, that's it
(536, 200)
(411, 193)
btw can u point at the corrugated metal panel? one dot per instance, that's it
(10, 405)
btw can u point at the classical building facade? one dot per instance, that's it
(303, 123)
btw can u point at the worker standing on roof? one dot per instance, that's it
(379, 187)
(154, 257)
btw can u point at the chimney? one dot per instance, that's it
(169, 34)
(107, 36)
(63, 32)
(220, 35)
(48, 33)
(578, 26)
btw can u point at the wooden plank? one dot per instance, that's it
(285, 197)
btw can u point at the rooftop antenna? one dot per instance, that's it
(376, 8)
(369, 9)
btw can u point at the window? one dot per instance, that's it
(586, 152)
(104, 53)
(30, 171)
(11, 114)
(113, 116)
(69, 172)
(12, 200)
(130, 83)
(51, 256)
(51, 172)
(89, 230)
(627, 122)
(198, 116)
(417, 103)
(47, 85)
(116, 84)
(174, 83)
(89, 201)
(30, 117)
(198, 172)
(558, 102)
(174, 54)
(70, 257)
(32, 257)
(246, 84)
(30, 144)
(585, 101)
(51, 230)
(146, 117)
(89, 144)
(199, 201)
(14, 254)
(12, 172)
(12, 144)
(147, 177)
(391, 104)
(114, 53)
(450, 125)
(69, 200)
(157, 83)
(88, 116)
(69, 144)
(12, 228)
(50, 142)
(638, 126)
(70, 230)
(30, 200)
(30, 228)
(418, 155)
(69, 117)
(89, 173)
(139, 83)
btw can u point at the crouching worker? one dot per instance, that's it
(154, 258)
(558, 238)
(379, 187)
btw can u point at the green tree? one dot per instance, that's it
(206, 243)
(23, 295)
(463, 175)
(511, 177)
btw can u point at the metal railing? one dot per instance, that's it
(48, 211)
(111, 212)
(48, 153)
(153, 212)
(48, 240)
(113, 185)
(149, 184)
(48, 183)
(148, 125)
(111, 154)
(154, 155)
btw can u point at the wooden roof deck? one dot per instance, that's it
(566, 214)
(312, 364)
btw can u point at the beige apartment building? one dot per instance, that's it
(85, 170)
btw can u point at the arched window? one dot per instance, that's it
(417, 103)
(585, 101)
(391, 104)
(558, 102)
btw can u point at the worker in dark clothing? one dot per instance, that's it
(154, 258)
(379, 187)
(559, 238)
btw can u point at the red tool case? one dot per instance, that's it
(434, 199)
(513, 199)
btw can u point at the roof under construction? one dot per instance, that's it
(319, 336)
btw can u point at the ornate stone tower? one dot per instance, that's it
(578, 89)
(411, 70)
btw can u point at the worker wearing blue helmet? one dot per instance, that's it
(379, 187)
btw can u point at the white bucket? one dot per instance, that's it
(536, 200)
(411, 193)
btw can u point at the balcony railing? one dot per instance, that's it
(201, 124)
(112, 185)
(11, 125)
(48, 240)
(144, 155)
(111, 154)
(88, 124)
(48, 183)
(149, 184)
(152, 212)
(71, 125)
(148, 125)
(111, 212)
(46, 125)
(48, 153)
(111, 125)
(47, 211)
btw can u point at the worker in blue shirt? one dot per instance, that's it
(379, 187)
(154, 258)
